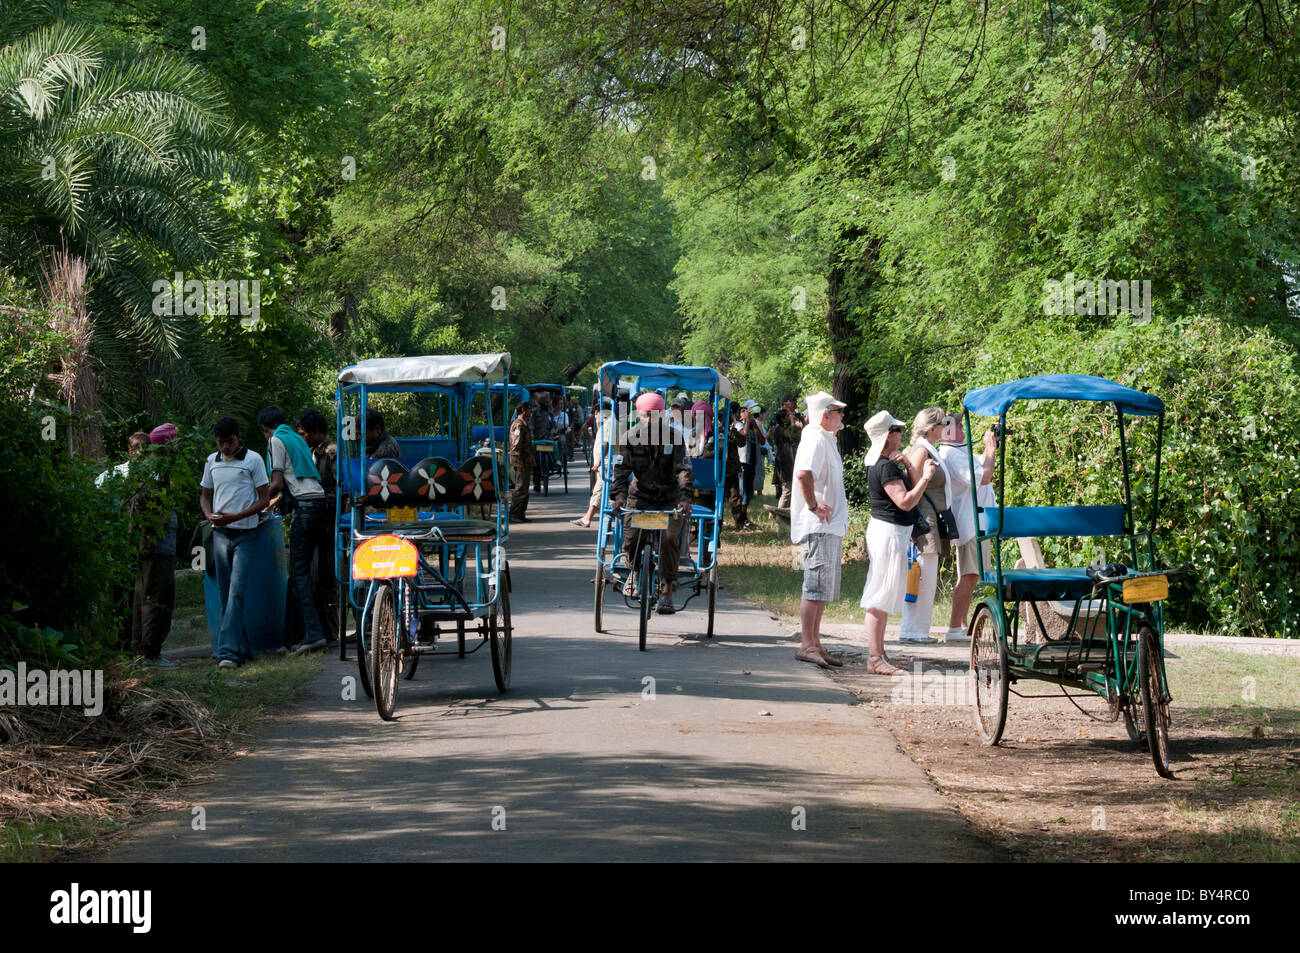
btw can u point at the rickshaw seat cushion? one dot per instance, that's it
(467, 531)
(1057, 520)
(1042, 584)
(480, 433)
(702, 512)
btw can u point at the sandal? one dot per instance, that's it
(879, 665)
(579, 523)
(810, 655)
(629, 587)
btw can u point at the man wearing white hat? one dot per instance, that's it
(819, 518)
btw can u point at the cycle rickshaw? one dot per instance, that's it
(412, 567)
(550, 455)
(493, 439)
(697, 572)
(1114, 643)
(583, 396)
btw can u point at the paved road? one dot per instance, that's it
(737, 736)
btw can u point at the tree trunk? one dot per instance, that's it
(65, 293)
(847, 282)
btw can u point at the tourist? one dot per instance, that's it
(894, 498)
(819, 518)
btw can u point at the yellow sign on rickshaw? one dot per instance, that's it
(385, 557)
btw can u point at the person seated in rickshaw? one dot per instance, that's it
(380, 444)
(652, 474)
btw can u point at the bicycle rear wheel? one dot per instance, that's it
(383, 652)
(1155, 707)
(644, 581)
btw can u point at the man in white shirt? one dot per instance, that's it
(235, 491)
(819, 518)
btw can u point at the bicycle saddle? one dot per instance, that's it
(1109, 571)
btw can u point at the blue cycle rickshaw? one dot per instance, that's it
(551, 458)
(412, 566)
(698, 566)
(1122, 661)
(490, 438)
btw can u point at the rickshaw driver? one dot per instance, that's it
(664, 480)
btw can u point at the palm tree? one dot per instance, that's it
(120, 157)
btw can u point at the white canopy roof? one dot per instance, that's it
(432, 369)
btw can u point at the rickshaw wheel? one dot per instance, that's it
(1136, 734)
(499, 631)
(363, 659)
(383, 652)
(600, 595)
(644, 584)
(713, 597)
(1154, 706)
(988, 662)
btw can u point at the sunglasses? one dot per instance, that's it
(895, 429)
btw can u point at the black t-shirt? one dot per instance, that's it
(882, 507)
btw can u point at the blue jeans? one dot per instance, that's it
(233, 551)
(308, 515)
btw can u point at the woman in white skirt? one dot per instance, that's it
(895, 489)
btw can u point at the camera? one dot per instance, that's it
(999, 431)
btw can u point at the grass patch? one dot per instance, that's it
(238, 697)
(34, 842)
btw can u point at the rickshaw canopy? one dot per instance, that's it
(994, 401)
(653, 376)
(440, 370)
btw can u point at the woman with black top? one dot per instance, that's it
(895, 488)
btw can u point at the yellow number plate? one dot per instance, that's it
(401, 514)
(649, 520)
(384, 557)
(1146, 589)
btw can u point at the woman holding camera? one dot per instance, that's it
(895, 487)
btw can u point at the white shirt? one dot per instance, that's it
(957, 468)
(234, 484)
(819, 453)
(301, 488)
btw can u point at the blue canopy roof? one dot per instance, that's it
(654, 376)
(994, 401)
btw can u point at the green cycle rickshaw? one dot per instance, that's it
(1114, 644)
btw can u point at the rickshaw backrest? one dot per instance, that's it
(704, 482)
(433, 481)
(1056, 520)
(418, 448)
(480, 433)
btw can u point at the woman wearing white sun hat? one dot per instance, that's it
(895, 488)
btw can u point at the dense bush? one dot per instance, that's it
(1229, 468)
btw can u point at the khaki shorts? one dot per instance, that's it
(822, 553)
(967, 558)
